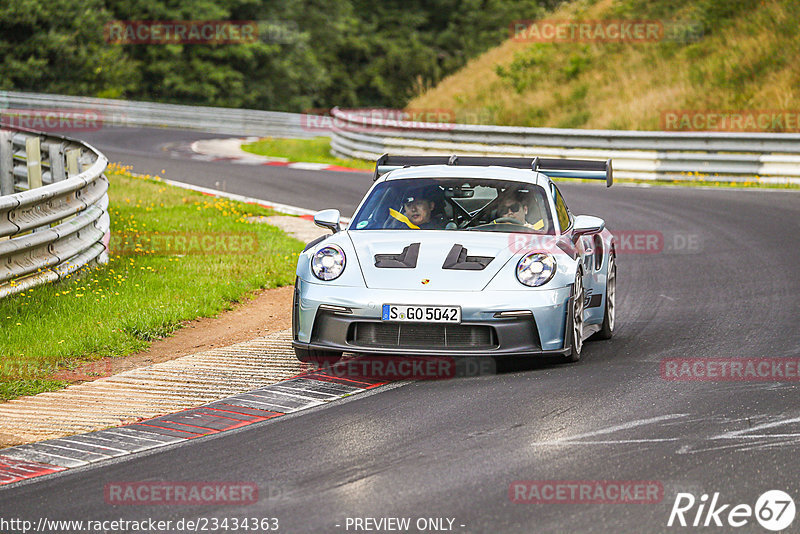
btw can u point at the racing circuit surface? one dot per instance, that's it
(721, 284)
(151, 150)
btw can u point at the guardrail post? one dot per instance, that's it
(73, 168)
(33, 158)
(72, 162)
(85, 162)
(57, 170)
(6, 163)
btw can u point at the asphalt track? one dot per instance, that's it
(151, 150)
(723, 285)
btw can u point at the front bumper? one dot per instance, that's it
(540, 333)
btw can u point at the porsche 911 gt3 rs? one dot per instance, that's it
(458, 256)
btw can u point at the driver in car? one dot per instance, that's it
(418, 210)
(513, 207)
(514, 210)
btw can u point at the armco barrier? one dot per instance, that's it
(763, 157)
(53, 208)
(123, 113)
(366, 134)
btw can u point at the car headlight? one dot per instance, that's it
(328, 262)
(536, 268)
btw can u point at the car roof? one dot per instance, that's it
(467, 171)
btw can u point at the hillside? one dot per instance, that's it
(745, 56)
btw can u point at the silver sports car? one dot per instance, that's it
(458, 256)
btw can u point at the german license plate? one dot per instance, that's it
(421, 314)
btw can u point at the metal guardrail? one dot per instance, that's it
(762, 157)
(754, 157)
(123, 113)
(53, 208)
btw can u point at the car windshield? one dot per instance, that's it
(483, 205)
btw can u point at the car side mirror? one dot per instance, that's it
(587, 225)
(328, 219)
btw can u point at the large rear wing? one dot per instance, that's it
(560, 168)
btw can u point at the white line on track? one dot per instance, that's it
(615, 428)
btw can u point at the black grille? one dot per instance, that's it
(416, 335)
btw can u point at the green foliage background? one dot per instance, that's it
(320, 53)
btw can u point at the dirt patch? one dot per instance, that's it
(268, 312)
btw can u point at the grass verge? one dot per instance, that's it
(316, 150)
(176, 255)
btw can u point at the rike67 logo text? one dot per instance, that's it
(774, 510)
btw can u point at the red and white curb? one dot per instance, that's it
(304, 391)
(229, 150)
(313, 166)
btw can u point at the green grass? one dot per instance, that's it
(711, 183)
(19, 388)
(694, 182)
(317, 150)
(145, 291)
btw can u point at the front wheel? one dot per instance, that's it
(577, 320)
(317, 357)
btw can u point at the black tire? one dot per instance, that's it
(610, 311)
(576, 340)
(316, 357)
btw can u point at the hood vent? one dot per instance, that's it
(457, 259)
(405, 260)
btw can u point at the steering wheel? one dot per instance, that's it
(509, 220)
